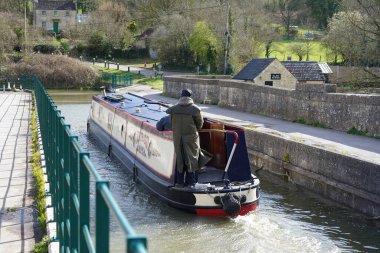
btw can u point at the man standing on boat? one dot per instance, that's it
(186, 120)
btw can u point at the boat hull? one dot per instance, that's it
(196, 202)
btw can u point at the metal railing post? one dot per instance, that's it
(84, 202)
(102, 219)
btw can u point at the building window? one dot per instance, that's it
(44, 24)
(269, 83)
(67, 13)
(55, 13)
(43, 13)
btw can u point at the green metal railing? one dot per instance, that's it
(116, 81)
(68, 170)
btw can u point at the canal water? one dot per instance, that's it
(289, 218)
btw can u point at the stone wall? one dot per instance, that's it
(344, 74)
(205, 88)
(309, 102)
(347, 180)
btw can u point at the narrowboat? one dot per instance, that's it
(125, 126)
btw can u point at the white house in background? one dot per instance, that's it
(55, 16)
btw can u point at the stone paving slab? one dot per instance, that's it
(18, 218)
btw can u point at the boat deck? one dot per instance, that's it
(210, 174)
(144, 109)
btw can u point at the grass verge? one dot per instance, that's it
(120, 72)
(42, 246)
(314, 123)
(39, 182)
(355, 131)
(156, 83)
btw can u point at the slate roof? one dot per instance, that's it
(55, 5)
(305, 71)
(253, 69)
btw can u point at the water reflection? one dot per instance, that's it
(290, 219)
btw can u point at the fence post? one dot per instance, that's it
(105, 64)
(117, 66)
(93, 61)
(102, 219)
(84, 202)
(74, 201)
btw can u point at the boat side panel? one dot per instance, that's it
(100, 136)
(137, 138)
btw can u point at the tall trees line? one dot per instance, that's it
(193, 32)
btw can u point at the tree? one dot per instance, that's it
(288, 10)
(204, 43)
(99, 45)
(323, 10)
(8, 37)
(298, 49)
(358, 47)
(113, 19)
(171, 40)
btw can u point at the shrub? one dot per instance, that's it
(99, 45)
(58, 71)
(54, 46)
(46, 48)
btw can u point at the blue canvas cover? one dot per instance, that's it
(239, 169)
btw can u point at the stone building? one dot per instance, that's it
(269, 72)
(286, 74)
(55, 16)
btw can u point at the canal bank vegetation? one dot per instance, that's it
(311, 123)
(355, 131)
(57, 71)
(39, 183)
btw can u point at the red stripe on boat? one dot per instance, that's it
(220, 212)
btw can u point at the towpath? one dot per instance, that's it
(362, 147)
(144, 71)
(17, 215)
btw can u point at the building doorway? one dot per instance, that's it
(55, 26)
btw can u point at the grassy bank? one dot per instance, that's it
(39, 183)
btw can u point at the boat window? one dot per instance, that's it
(122, 129)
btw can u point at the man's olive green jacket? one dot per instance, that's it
(186, 120)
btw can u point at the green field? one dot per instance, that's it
(281, 50)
